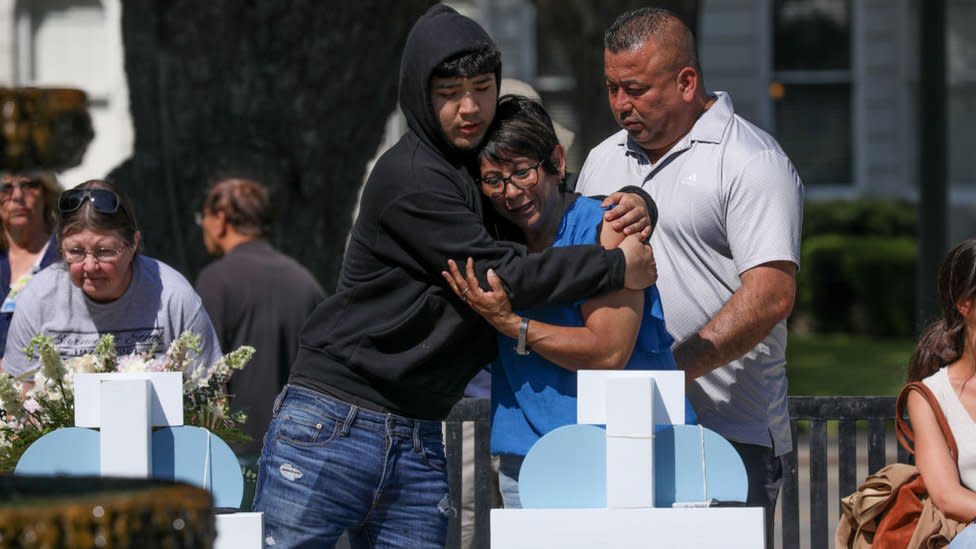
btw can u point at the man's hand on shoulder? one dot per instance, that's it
(641, 267)
(634, 212)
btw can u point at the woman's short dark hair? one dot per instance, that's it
(123, 221)
(522, 128)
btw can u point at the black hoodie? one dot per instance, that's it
(394, 337)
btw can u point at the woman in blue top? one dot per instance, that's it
(28, 216)
(522, 172)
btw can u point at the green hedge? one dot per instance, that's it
(859, 284)
(867, 216)
(858, 267)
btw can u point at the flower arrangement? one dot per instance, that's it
(44, 401)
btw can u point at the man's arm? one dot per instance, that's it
(422, 231)
(764, 299)
(605, 341)
(763, 219)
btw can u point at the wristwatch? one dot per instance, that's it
(520, 348)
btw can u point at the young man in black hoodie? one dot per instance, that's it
(355, 440)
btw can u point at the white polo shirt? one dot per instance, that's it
(729, 200)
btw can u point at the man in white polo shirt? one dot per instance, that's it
(728, 241)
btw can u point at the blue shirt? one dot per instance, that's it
(531, 396)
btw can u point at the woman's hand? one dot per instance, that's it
(494, 305)
(629, 214)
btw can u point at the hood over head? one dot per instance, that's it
(439, 34)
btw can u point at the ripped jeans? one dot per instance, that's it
(328, 466)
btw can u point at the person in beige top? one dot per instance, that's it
(945, 360)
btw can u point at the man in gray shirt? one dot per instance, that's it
(728, 241)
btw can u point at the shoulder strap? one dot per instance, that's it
(903, 429)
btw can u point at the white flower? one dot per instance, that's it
(83, 364)
(157, 365)
(50, 401)
(132, 363)
(31, 406)
(40, 380)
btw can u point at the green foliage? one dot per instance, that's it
(859, 284)
(18, 443)
(858, 267)
(841, 364)
(860, 217)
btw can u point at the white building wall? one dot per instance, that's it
(77, 44)
(7, 52)
(733, 57)
(881, 136)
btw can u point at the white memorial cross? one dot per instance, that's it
(125, 406)
(630, 404)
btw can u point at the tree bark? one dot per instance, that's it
(295, 93)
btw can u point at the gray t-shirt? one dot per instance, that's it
(157, 307)
(729, 200)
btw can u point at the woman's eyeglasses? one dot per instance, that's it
(100, 255)
(7, 189)
(524, 179)
(103, 200)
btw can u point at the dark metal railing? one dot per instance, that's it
(811, 414)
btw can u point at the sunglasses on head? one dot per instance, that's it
(104, 201)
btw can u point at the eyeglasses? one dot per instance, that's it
(103, 200)
(524, 179)
(7, 189)
(100, 255)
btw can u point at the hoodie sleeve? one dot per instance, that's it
(421, 231)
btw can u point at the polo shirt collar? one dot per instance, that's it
(709, 128)
(712, 123)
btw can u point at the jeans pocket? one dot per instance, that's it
(432, 453)
(302, 428)
(277, 402)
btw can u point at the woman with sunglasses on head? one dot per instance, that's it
(533, 386)
(104, 286)
(28, 214)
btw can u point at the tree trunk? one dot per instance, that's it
(295, 93)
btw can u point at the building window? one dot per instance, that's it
(811, 88)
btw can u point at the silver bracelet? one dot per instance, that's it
(520, 348)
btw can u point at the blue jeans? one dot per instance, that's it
(328, 466)
(966, 538)
(509, 466)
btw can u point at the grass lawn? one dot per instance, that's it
(846, 365)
